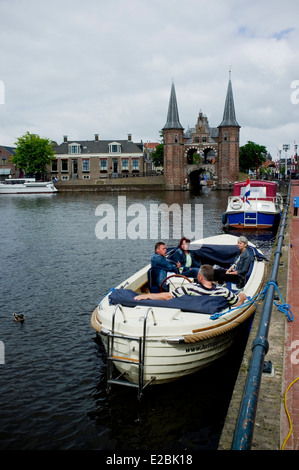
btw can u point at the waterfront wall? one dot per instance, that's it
(153, 183)
(267, 426)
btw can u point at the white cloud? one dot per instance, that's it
(79, 68)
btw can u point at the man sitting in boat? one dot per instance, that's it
(204, 286)
(189, 265)
(237, 272)
(161, 264)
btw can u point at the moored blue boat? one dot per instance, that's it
(254, 204)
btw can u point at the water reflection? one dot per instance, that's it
(187, 414)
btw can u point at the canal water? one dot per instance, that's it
(55, 267)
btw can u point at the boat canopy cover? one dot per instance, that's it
(207, 304)
(223, 255)
(269, 188)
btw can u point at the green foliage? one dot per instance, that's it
(33, 153)
(158, 156)
(252, 155)
(196, 158)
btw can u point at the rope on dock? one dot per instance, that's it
(283, 307)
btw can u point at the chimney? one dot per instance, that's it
(129, 137)
(65, 138)
(96, 137)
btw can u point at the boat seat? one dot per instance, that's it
(152, 280)
(248, 274)
(233, 287)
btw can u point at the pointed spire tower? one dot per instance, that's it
(173, 120)
(175, 172)
(229, 115)
(228, 143)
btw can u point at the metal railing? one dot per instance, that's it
(245, 424)
(141, 359)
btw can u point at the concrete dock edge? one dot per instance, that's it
(267, 426)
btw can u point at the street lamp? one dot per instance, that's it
(286, 147)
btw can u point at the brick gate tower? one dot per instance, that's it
(227, 164)
(222, 142)
(175, 164)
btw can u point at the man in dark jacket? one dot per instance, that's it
(162, 264)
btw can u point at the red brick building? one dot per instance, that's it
(7, 168)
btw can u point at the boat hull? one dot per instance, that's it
(167, 360)
(262, 220)
(30, 188)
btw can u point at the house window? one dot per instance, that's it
(204, 139)
(3, 161)
(135, 164)
(74, 148)
(125, 164)
(175, 138)
(103, 165)
(114, 147)
(85, 164)
(64, 165)
(54, 165)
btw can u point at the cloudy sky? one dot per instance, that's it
(79, 68)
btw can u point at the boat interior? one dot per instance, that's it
(221, 255)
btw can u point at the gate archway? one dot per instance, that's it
(201, 176)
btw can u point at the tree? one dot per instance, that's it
(196, 158)
(252, 155)
(158, 156)
(33, 154)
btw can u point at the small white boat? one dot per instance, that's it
(151, 341)
(254, 204)
(26, 186)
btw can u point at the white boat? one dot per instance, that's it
(261, 208)
(26, 186)
(151, 341)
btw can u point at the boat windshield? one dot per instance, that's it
(15, 181)
(255, 192)
(19, 180)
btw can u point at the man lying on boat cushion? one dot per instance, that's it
(204, 286)
(202, 297)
